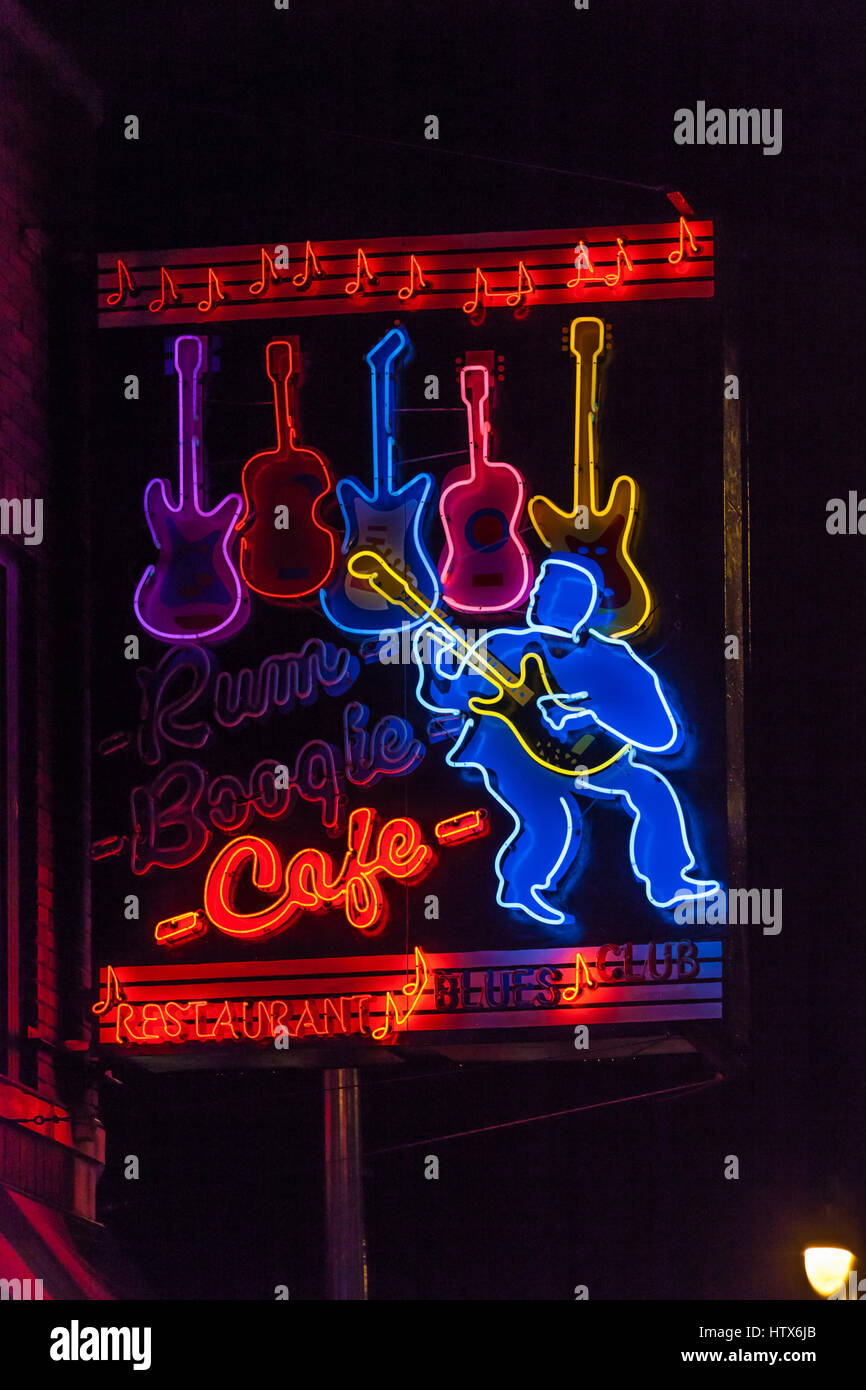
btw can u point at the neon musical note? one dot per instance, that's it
(685, 231)
(120, 293)
(412, 991)
(621, 256)
(571, 994)
(269, 270)
(481, 290)
(408, 291)
(213, 285)
(353, 286)
(165, 281)
(582, 262)
(525, 286)
(113, 994)
(312, 269)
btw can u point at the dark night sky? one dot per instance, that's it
(262, 124)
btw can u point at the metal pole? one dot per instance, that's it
(344, 1192)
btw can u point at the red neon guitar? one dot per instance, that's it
(285, 563)
(194, 591)
(485, 566)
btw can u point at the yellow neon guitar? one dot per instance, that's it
(602, 534)
(517, 694)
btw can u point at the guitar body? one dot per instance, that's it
(604, 542)
(194, 591)
(517, 705)
(194, 587)
(392, 528)
(601, 535)
(386, 519)
(485, 565)
(284, 563)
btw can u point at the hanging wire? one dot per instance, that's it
(550, 1115)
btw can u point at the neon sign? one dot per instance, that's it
(194, 590)
(555, 711)
(596, 687)
(390, 518)
(187, 681)
(284, 563)
(310, 882)
(503, 271)
(170, 829)
(381, 998)
(599, 534)
(485, 566)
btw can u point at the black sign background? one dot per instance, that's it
(660, 421)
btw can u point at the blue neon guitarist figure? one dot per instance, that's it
(388, 519)
(596, 694)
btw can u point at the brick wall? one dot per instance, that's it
(48, 117)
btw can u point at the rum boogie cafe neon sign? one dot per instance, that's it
(546, 700)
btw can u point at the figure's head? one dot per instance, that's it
(564, 596)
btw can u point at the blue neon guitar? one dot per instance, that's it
(389, 519)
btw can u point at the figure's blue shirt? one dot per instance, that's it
(601, 676)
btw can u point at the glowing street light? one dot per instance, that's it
(827, 1267)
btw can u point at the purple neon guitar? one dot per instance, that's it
(194, 592)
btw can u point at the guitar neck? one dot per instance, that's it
(381, 360)
(487, 666)
(587, 340)
(281, 370)
(189, 410)
(474, 388)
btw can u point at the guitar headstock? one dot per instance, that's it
(474, 384)
(587, 338)
(384, 353)
(188, 356)
(282, 358)
(381, 576)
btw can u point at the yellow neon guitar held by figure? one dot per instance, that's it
(517, 694)
(601, 534)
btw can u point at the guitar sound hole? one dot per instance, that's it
(487, 529)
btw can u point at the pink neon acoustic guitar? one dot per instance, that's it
(283, 564)
(194, 592)
(485, 566)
